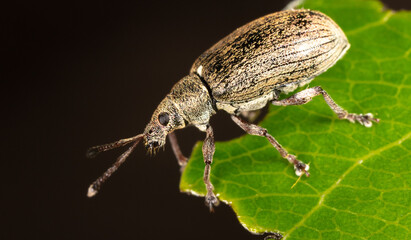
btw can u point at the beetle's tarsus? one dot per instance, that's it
(182, 168)
(301, 168)
(211, 200)
(364, 119)
(275, 236)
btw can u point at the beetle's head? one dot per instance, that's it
(187, 103)
(165, 119)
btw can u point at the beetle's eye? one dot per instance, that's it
(163, 118)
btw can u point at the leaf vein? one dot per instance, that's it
(335, 185)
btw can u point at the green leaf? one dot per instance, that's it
(360, 180)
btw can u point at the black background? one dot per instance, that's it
(78, 74)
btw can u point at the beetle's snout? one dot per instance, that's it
(154, 139)
(152, 144)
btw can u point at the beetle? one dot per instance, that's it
(243, 72)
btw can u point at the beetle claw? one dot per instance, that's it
(301, 168)
(211, 200)
(275, 236)
(364, 119)
(183, 167)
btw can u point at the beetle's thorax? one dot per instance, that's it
(188, 103)
(194, 102)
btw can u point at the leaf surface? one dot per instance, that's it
(360, 180)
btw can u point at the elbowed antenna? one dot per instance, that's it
(92, 152)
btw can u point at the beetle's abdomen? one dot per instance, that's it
(277, 52)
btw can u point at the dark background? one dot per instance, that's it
(78, 74)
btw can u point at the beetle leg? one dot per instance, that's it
(182, 160)
(208, 152)
(306, 95)
(275, 236)
(299, 167)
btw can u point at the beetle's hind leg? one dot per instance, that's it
(299, 167)
(306, 95)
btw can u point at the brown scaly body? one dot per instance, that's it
(275, 53)
(243, 72)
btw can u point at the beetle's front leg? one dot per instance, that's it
(299, 167)
(182, 160)
(306, 95)
(208, 152)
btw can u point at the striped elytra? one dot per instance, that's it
(275, 53)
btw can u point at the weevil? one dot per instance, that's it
(243, 72)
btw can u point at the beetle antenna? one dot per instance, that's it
(95, 186)
(94, 151)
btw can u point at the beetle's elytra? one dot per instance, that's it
(243, 72)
